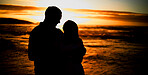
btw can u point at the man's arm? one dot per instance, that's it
(30, 49)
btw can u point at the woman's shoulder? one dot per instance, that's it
(79, 40)
(73, 41)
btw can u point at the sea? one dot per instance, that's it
(111, 49)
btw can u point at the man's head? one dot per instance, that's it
(53, 15)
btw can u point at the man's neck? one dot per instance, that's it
(50, 25)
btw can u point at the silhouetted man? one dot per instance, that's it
(44, 43)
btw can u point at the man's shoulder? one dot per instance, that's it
(35, 30)
(58, 30)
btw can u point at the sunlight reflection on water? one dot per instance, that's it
(103, 56)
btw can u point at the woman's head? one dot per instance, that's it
(70, 29)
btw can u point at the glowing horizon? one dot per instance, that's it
(81, 11)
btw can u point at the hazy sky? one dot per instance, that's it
(119, 5)
(96, 11)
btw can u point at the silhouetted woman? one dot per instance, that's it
(73, 50)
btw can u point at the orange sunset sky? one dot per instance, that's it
(88, 12)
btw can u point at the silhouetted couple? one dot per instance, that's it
(53, 52)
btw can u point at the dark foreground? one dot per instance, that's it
(110, 50)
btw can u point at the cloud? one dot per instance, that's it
(20, 10)
(129, 18)
(112, 15)
(17, 12)
(16, 7)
